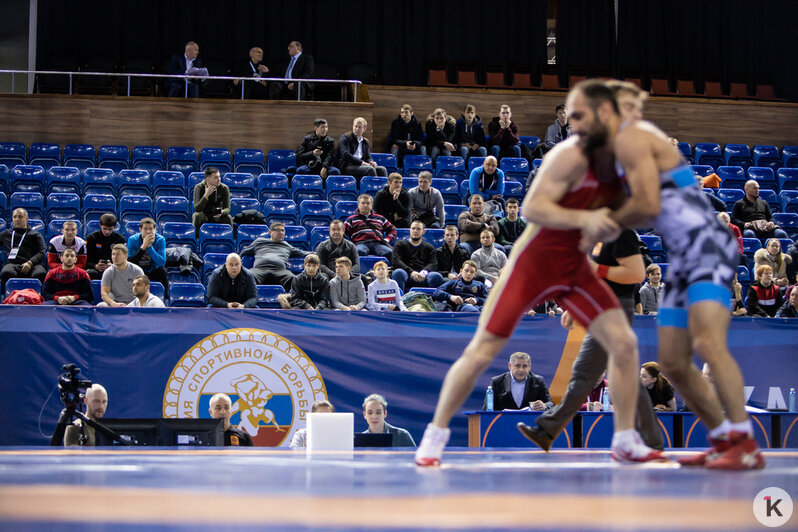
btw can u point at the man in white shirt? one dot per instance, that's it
(143, 297)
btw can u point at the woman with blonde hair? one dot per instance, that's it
(772, 256)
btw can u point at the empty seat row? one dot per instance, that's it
(736, 176)
(711, 154)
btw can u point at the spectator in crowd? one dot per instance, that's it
(148, 249)
(232, 285)
(142, 295)
(487, 181)
(24, 248)
(315, 155)
(503, 133)
(79, 433)
(186, 63)
(752, 215)
(407, 135)
(211, 200)
(426, 202)
(116, 287)
(463, 294)
(336, 247)
(271, 257)
(375, 410)
(764, 297)
(383, 293)
(414, 261)
(651, 293)
(490, 260)
(772, 256)
(222, 408)
(393, 202)
(67, 284)
(724, 218)
(301, 436)
(67, 239)
(473, 221)
(511, 226)
(790, 307)
(440, 134)
(558, 131)
(298, 66)
(310, 290)
(469, 134)
(371, 232)
(253, 67)
(450, 255)
(98, 246)
(355, 155)
(519, 388)
(737, 304)
(346, 293)
(659, 388)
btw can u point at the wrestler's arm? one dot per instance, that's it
(633, 151)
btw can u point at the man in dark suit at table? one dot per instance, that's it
(183, 64)
(520, 388)
(299, 66)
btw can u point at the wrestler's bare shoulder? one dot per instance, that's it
(566, 158)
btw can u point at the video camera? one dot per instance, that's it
(71, 386)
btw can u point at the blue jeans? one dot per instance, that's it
(435, 151)
(372, 247)
(402, 278)
(467, 307)
(507, 151)
(307, 170)
(777, 233)
(466, 153)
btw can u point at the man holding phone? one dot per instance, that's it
(99, 244)
(211, 200)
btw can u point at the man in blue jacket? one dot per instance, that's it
(463, 294)
(147, 249)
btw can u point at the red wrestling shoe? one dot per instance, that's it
(742, 454)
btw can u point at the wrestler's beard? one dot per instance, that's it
(595, 139)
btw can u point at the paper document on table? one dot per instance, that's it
(199, 72)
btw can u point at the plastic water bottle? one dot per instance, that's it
(605, 399)
(489, 398)
(792, 400)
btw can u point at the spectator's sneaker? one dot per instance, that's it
(634, 450)
(718, 447)
(430, 449)
(742, 454)
(539, 436)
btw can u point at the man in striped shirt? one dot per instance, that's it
(371, 232)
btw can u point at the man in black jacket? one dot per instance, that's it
(407, 135)
(414, 262)
(299, 66)
(180, 65)
(451, 255)
(310, 290)
(520, 388)
(354, 154)
(393, 202)
(315, 155)
(24, 249)
(232, 285)
(254, 68)
(336, 247)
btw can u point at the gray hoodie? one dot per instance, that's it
(346, 293)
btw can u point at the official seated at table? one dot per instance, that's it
(520, 388)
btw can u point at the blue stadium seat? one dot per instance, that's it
(182, 159)
(515, 169)
(168, 183)
(372, 184)
(787, 178)
(514, 189)
(267, 295)
(453, 213)
(95, 205)
(17, 283)
(211, 261)
(434, 237)
(789, 157)
(307, 187)
(134, 182)
(750, 246)
(341, 187)
(402, 234)
(157, 290)
(216, 238)
(238, 205)
(297, 236)
(655, 248)
(315, 212)
(63, 179)
(96, 290)
(386, 160)
(532, 142)
(193, 179)
(787, 221)
(451, 168)
(764, 176)
(367, 262)
(63, 206)
(241, 184)
(449, 189)
(344, 209)
(247, 233)
(3, 206)
(4, 178)
(33, 202)
(45, 155)
(99, 181)
(55, 228)
(415, 164)
(687, 152)
(474, 162)
(37, 225)
(186, 295)
(744, 278)
(116, 158)
(180, 234)
(134, 208)
(729, 196)
(465, 192)
(767, 155)
(409, 182)
(216, 157)
(789, 200)
(79, 155)
(318, 235)
(131, 227)
(703, 170)
(771, 198)
(13, 153)
(2, 228)
(278, 210)
(737, 155)
(279, 160)
(732, 177)
(250, 161)
(708, 153)
(28, 178)
(171, 209)
(273, 186)
(149, 158)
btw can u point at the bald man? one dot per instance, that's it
(78, 434)
(232, 285)
(253, 67)
(222, 408)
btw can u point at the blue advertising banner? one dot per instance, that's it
(274, 364)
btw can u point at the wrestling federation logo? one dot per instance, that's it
(271, 382)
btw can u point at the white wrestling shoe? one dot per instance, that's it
(628, 446)
(430, 449)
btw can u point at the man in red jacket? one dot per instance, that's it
(67, 284)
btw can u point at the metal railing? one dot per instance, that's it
(188, 79)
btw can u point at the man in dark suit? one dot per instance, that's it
(519, 387)
(299, 66)
(179, 65)
(254, 68)
(354, 156)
